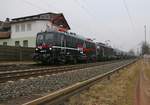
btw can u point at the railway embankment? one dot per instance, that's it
(119, 90)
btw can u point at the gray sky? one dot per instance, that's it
(100, 19)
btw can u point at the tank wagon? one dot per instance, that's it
(63, 47)
(104, 52)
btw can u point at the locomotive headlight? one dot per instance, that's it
(81, 52)
(36, 49)
(50, 48)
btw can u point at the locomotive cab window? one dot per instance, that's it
(49, 38)
(40, 39)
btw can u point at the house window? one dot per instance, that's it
(22, 27)
(4, 43)
(17, 43)
(17, 28)
(29, 27)
(25, 43)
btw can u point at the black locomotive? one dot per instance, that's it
(63, 47)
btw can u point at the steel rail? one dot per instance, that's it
(15, 75)
(44, 68)
(60, 96)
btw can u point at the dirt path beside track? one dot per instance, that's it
(142, 96)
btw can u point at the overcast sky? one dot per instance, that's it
(120, 21)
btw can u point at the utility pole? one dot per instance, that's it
(145, 33)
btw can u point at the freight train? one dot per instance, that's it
(63, 47)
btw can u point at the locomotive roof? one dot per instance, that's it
(70, 34)
(78, 36)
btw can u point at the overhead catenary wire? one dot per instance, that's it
(84, 8)
(43, 8)
(33, 5)
(92, 15)
(129, 15)
(86, 11)
(76, 1)
(47, 3)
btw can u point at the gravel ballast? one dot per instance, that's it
(119, 90)
(49, 83)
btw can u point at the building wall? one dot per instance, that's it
(11, 41)
(21, 35)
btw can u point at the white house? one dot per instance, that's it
(24, 29)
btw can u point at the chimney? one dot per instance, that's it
(7, 20)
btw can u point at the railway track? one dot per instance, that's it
(12, 74)
(12, 67)
(15, 67)
(58, 97)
